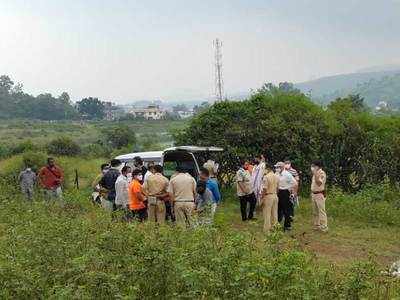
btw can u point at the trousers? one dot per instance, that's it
(27, 191)
(285, 208)
(156, 212)
(270, 211)
(184, 213)
(319, 212)
(244, 200)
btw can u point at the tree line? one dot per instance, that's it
(15, 103)
(356, 146)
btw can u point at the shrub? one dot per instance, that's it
(77, 251)
(119, 136)
(377, 204)
(63, 146)
(96, 150)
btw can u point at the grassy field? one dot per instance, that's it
(77, 251)
(347, 240)
(18, 131)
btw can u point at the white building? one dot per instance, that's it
(185, 114)
(151, 112)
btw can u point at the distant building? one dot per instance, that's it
(185, 114)
(382, 106)
(151, 112)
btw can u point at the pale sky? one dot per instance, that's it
(124, 50)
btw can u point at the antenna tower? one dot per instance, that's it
(219, 82)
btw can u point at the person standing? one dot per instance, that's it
(51, 178)
(27, 180)
(257, 176)
(108, 182)
(245, 192)
(286, 184)
(182, 191)
(136, 197)
(295, 191)
(99, 193)
(212, 168)
(121, 189)
(139, 165)
(212, 186)
(318, 196)
(156, 187)
(204, 201)
(269, 200)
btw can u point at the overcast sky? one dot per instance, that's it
(125, 50)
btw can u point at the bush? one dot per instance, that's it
(378, 205)
(353, 144)
(119, 136)
(77, 251)
(63, 146)
(96, 150)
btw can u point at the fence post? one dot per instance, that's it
(76, 179)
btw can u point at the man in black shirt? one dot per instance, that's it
(108, 181)
(139, 165)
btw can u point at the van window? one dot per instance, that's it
(169, 168)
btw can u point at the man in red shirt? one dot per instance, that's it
(51, 178)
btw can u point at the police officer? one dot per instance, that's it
(155, 187)
(269, 198)
(182, 191)
(318, 196)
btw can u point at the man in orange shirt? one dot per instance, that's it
(51, 178)
(136, 197)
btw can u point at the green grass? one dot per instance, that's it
(40, 132)
(348, 238)
(77, 251)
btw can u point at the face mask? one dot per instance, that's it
(277, 170)
(28, 169)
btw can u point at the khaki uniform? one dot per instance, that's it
(156, 184)
(269, 200)
(318, 200)
(183, 190)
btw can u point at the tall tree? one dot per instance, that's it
(93, 108)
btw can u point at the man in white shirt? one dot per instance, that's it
(286, 184)
(121, 189)
(257, 176)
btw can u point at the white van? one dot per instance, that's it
(191, 158)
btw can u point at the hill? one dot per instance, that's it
(373, 86)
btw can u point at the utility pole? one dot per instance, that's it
(219, 82)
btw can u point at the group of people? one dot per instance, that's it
(275, 189)
(50, 178)
(144, 193)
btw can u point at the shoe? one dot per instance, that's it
(252, 219)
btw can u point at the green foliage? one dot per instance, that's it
(14, 103)
(77, 251)
(282, 125)
(376, 205)
(92, 108)
(354, 144)
(63, 146)
(119, 136)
